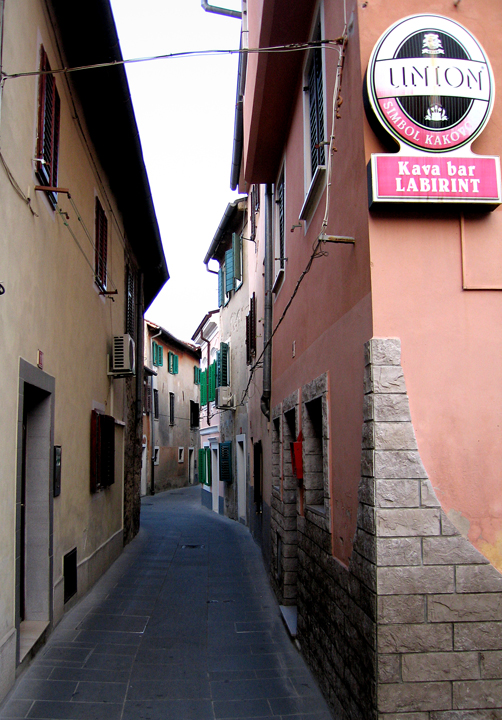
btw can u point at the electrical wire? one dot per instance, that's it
(15, 185)
(293, 47)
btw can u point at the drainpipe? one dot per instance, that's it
(220, 11)
(267, 326)
(152, 420)
(139, 352)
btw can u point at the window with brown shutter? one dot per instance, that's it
(102, 451)
(101, 240)
(251, 330)
(49, 109)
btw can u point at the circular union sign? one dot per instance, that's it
(430, 83)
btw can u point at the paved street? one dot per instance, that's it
(183, 626)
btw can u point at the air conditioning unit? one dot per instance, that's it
(224, 397)
(123, 356)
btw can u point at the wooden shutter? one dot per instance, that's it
(156, 404)
(229, 270)
(224, 377)
(175, 365)
(49, 111)
(101, 240)
(316, 109)
(209, 472)
(203, 388)
(102, 451)
(221, 288)
(280, 203)
(130, 320)
(148, 399)
(251, 330)
(226, 461)
(202, 465)
(212, 382)
(160, 355)
(196, 375)
(237, 252)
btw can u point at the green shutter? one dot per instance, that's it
(160, 355)
(175, 365)
(229, 270)
(154, 353)
(196, 375)
(224, 364)
(203, 388)
(237, 247)
(209, 477)
(202, 465)
(221, 289)
(226, 461)
(212, 382)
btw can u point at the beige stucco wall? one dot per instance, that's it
(52, 304)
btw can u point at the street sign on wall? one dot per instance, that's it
(431, 87)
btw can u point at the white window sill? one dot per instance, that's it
(278, 281)
(313, 193)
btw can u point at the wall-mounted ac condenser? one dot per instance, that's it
(123, 356)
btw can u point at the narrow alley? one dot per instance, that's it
(183, 626)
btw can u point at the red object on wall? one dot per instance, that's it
(297, 457)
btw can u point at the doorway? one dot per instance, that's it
(34, 500)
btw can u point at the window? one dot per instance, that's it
(171, 408)
(172, 363)
(279, 244)
(316, 105)
(194, 414)
(157, 354)
(315, 159)
(102, 451)
(315, 430)
(196, 374)
(147, 408)
(181, 454)
(251, 330)
(101, 242)
(130, 291)
(155, 404)
(49, 108)
(255, 206)
(230, 272)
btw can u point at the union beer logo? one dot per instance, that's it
(430, 84)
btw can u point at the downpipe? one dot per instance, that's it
(267, 325)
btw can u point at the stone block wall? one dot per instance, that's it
(412, 630)
(284, 535)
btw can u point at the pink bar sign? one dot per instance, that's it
(446, 179)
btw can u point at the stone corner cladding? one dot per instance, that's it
(439, 601)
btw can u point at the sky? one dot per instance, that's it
(185, 113)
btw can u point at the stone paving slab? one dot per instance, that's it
(183, 626)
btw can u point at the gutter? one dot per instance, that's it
(220, 11)
(267, 325)
(231, 209)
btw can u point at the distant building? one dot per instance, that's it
(171, 411)
(81, 258)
